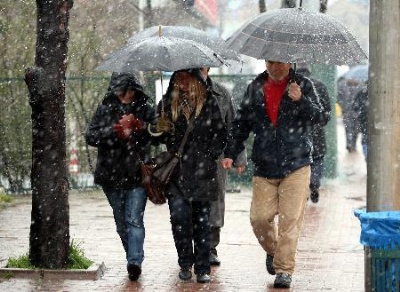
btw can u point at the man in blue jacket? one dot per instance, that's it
(280, 108)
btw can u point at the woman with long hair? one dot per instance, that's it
(193, 186)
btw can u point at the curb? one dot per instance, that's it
(94, 272)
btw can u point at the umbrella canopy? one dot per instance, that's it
(359, 73)
(160, 53)
(215, 43)
(294, 35)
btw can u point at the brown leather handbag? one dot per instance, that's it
(157, 174)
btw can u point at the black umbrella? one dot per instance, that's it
(160, 53)
(295, 35)
(217, 44)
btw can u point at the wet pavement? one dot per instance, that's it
(329, 258)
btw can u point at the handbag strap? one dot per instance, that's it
(181, 146)
(185, 137)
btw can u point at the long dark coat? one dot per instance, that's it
(227, 108)
(318, 136)
(360, 107)
(196, 176)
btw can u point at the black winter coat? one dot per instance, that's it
(360, 107)
(277, 151)
(319, 137)
(196, 177)
(117, 165)
(228, 110)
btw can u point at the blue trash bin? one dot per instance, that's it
(380, 231)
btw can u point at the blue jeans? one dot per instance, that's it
(128, 208)
(191, 224)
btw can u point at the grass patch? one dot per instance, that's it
(21, 262)
(4, 198)
(76, 260)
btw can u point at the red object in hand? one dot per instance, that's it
(126, 125)
(131, 122)
(120, 131)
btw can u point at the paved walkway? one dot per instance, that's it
(330, 257)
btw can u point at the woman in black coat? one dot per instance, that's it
(194, 183)
(117, 131)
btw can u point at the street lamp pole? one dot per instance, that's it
(383, 165)
(383, 162)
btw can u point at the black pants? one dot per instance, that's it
(215, 238)
(191, 228)
(317, 169)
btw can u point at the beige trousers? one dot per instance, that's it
(286, 198)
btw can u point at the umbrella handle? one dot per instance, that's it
(162, 92)
(292, 77)
(153, 133)
(164, 124)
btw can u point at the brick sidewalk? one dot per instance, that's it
(330, 257)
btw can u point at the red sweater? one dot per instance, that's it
(273, 92)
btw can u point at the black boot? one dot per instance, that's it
(314, 196)
(185, 274)
(214, 260)
(203, 278)
(134, 272)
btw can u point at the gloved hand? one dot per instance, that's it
(164, 124)
(127, 125)
(120, 132)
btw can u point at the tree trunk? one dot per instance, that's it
(323, 5)
(49, 231)
(148, 17)
(262, 6)
(288, 3)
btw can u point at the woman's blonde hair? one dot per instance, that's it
(186, 102)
